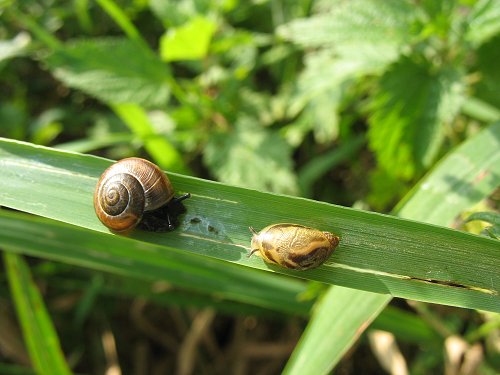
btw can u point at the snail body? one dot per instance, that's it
(129, 189)
(293, 246)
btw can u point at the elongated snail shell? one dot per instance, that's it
(293, 246)
(127, 189)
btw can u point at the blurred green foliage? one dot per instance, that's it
(249, 93)
(349, 102)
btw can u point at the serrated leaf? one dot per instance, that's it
(359, 23)
(189, 41)
(483, 21)
(319, 88)
(358, 37)
(409, 111)
(251, 156)
(324, 115)
(112, 70)
(348, 52)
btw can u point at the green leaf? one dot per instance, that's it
(480, 110)
(357, 38)
(358, 24)
(410, 109)
(163, 152)
(39, 333)
(190, 41)
(377, 253)
(461, 179)
(488, 56)
(112, 70)
(319, 91)
(96, 142)
(406, 326)
(320, 165)
(178, 12)
(385, 189)
(489, 217)
(493, 231)
(251, 156)
(14, 47)
(416, 205)
(164, 294)
(483, 21)
(118, 15)
(324, 341)
(48, 239)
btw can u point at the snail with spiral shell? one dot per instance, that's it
(130, 191)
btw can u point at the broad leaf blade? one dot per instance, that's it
(377, 253)
(360, 23)
(120, 255)
(189, 41)
(487, 64)
(112, 70)
(320, 332)
(253, 157)
(406, 129)
(461, 179)
(39, 333)
(489, 217)
(325, 341)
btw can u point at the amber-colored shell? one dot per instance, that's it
(294, 246)
(127, 189)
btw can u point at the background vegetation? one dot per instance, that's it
(382, 106)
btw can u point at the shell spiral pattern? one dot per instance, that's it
(127, 189)
(120, 202)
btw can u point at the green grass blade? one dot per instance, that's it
(121, 19)
(320, 333)
(405, 326)
(39, 333)
(254, 293)
(91, 144)
(464, 177)
(326, 341)
(377, 253)
(157, 292)
(124, 256)
(480, 110)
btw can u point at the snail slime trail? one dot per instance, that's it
(134, 192)
(293, 246)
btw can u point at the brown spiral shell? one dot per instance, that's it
(127, 189)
